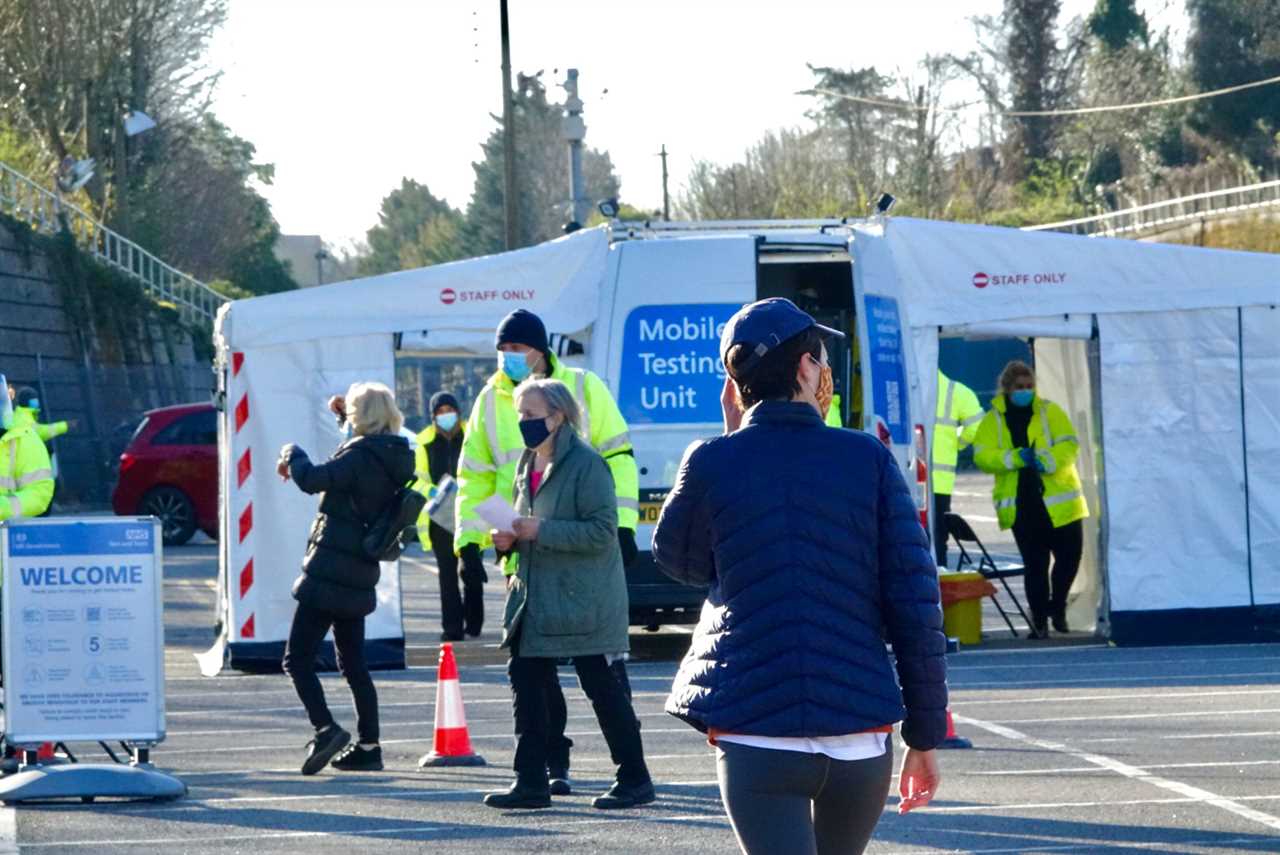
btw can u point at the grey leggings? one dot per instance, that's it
(790, 803)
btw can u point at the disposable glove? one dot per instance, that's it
(1028, 456)
(473, 572)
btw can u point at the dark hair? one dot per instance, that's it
(774, 377)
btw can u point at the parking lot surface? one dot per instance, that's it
(1077, 748)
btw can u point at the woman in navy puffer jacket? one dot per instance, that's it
(814, 554)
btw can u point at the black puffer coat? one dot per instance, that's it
(357, 483)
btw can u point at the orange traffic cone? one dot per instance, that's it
(954, 740)
(452, 742)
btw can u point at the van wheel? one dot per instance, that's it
(176, 513)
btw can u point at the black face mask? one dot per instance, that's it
(534, 431)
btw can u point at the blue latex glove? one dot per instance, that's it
(1028, 456)
(1040, 465)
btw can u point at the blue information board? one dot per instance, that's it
(888, 365)
(671, 370)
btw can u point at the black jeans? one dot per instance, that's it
(533, 684)
(459, 610)
(807, 804)
(1038, 541)
(941, 507)
(305, 637)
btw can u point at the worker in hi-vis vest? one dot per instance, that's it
(955, 426)
(436, 465)
(493, 447)
(26, 479)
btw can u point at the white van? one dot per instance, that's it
(670, 288)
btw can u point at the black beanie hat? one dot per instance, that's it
(443, 399)
(523, 327)
(25, 396)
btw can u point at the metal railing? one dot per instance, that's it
(25, 200)
(1171, 212)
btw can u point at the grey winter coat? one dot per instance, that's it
(569, 594)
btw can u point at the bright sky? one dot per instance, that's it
(345, 98)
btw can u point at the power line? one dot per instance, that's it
(1076, 111)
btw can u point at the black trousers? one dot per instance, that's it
(533, 683)
(305, 637)
(460, 610)
(941, 507)
(1039, 541)
(807, 804)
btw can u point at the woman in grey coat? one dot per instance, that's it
(566, 597)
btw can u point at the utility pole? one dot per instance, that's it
(509, 200)
(575, 131)
(666, 199)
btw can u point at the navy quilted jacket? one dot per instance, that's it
(814, 554)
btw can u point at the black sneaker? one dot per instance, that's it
(519, 797)
(357, 759)
(320, 750)
(451, 636)
(1060, 624)
(622, 796)
(559, 782)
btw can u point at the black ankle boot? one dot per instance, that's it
(520, 797)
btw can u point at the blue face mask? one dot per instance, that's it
(447, 421)
(514, 365)
(1022, 397)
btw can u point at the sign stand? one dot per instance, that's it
(83, 637)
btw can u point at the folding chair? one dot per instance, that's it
(961, 532)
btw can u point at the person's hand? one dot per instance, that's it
(1040, 467)
(73, 424)
(282, 465)
(338, 406)
(511, 582)
(730, 406)
(1028, 456)
(503, 541)
(919, 780)
(627, 543)
(526, 528)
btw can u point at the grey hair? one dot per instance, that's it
(557, 397)
(371, 409)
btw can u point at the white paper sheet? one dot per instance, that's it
(498, 513)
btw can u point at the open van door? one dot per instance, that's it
(892, 390)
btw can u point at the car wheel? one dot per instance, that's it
(176, 514)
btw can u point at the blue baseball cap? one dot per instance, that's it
(764, 325)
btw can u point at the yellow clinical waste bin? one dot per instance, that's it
(962, 595)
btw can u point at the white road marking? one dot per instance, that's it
(8, 831)
(1049, 683)
(1071, 699)
(426, 739)
(1095, 664)
(1137, 716)
(1120, 768)
(1213, 843)
(1068, 770)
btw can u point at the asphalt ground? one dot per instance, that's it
(1078, 747)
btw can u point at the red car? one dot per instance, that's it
(170, 471)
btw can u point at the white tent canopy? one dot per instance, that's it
(1189, 410)
(286, 353)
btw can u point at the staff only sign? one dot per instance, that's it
(671, 370)
(83, 635)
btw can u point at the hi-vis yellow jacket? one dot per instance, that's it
(958, 409)
(493, 447)
(1054, 441)
(26, 479)
(46, 432)
(423, 483)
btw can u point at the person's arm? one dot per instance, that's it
(611, 438)
(1066, 443)
(968, 413)
(682, 537)
(422, 469)
(986, 455)
(34, 476)
(51, 431)
(338, 472)
(597, 522)
(477, 481)
(911, 605)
